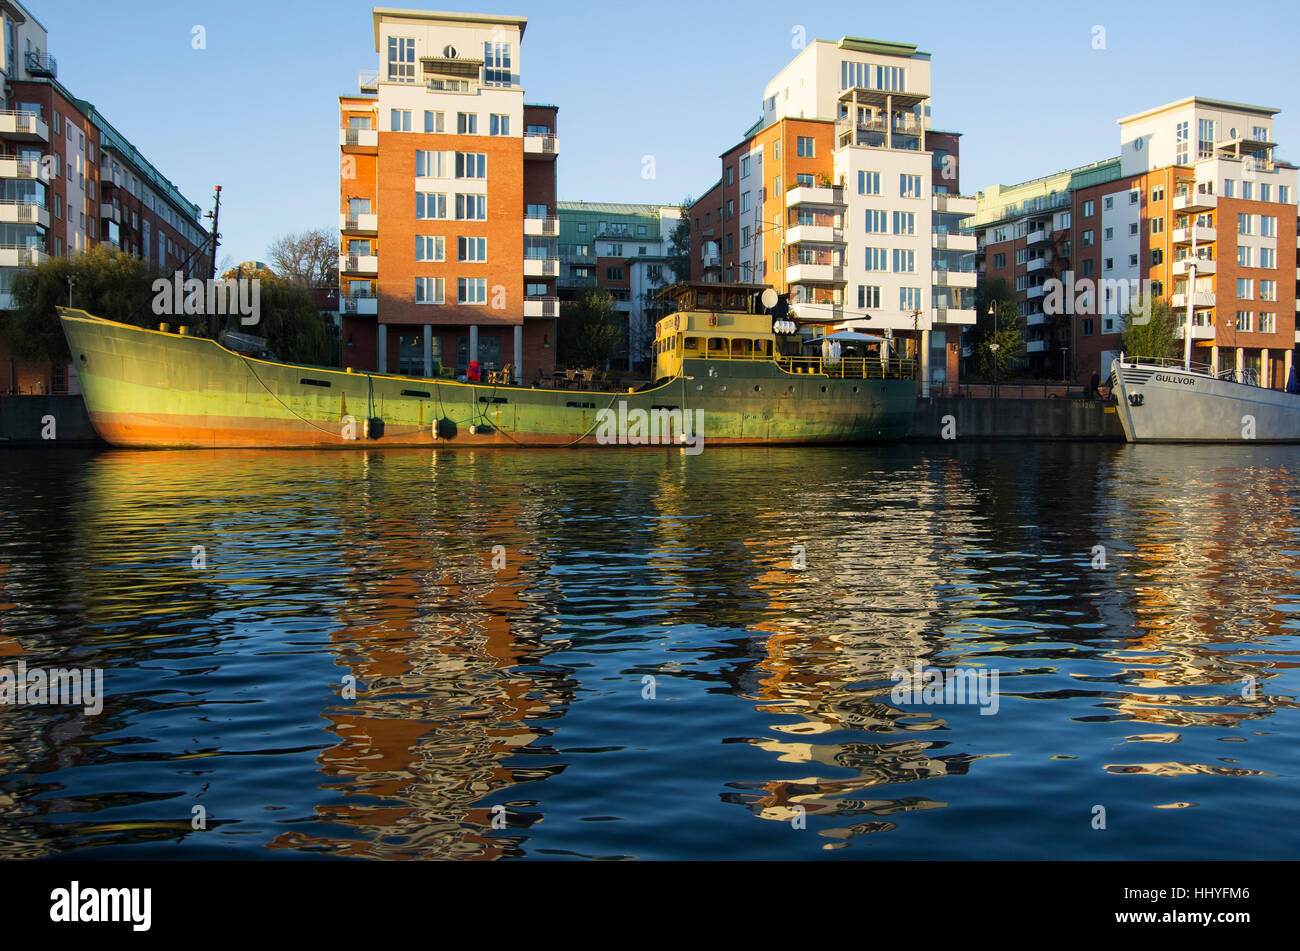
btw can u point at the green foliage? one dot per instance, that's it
(106, 282)
(1007, 330)
(294, 329)
(1155, 338)
(590, 333)
(679, 245)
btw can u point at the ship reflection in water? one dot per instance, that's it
(644, 654)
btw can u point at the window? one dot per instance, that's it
(616, 250)
(498, 124)
(1022, 255)
(1132, 260)
(429, 290)
(401, 60)
(471, 207)
(1284, 194)
(400, 120)
(435, 121)
(804, 146)
(1244, 224)
(909, 298)
(1157, 225)
(613, 274)
(1268, 323)
(1087, 326)
(909, 186)
(744, 237)
(1204, 138)
(1268, 258)
(1109, 202)
(904, 222)
(1133, 228)
(1157, 193)
(1108, 264)
(471, 165)
(430, 205)
(904, 261)
(731, 174)
(1244, 320)
(731, 208)
(1180, 143)
(1229, 188)
(868, 183)
(1265, 191)
(1268, 226)
(744, 167)
(744, 201)
(1245, 288)
(1108, 234)
(640, 230)
(467, 123)
(496, 65)
(471, 249)
(471, 290)
(1244, 253)
(1085, 267)
(1088, 238)
(804, 179)
(877, 259)
(1000, 261)
(868, 296)
(1268, 290)
(1134, 196)
(429, 164)
(877, 221)
(430, 247)
(730, 243)
(1157, 257)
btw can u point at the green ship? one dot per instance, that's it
(721, 376)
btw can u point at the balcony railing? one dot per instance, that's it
(41, 64)
(542, 307)
(542, 226)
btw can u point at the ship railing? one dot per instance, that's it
(852, 368)
(1129, 360)
(1247, 376)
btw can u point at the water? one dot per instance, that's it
(503, 711)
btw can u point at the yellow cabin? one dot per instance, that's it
(713, 322)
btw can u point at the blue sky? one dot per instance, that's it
(257, 110)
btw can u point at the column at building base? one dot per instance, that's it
(381, 348)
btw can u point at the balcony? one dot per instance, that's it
(946, 278)
(11, 166)
(814, 274)
(955, 242)
(570, 255)
(41, 64)
(1199, 332)
(368, 81)
(815, 234)
(365, 141)
(1036, 319)
(111, 212)
(1036, 346)
(359, 224)
(24, 213)
(542, 307)
(359, 305)
(711, 259)
(365, 265)
(1195, 202)
(829, 195)
(1199, 299)
(1037, 237)
(538, 146)
(821, 311)
(1204, 266)
(13, 255)
(542, 226)
(1035, 292)
(1203, 235)
(23, 126)
(953, 205)
(1036, 264)
(541, 267)
(954, 315)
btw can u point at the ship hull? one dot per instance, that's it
(1170, 404)
(149, 389)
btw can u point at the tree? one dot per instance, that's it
(106, 282)
(1002, 341)
(310, 259)
(293, 327)
(679, 245)
(590, 332)
(1154, 338)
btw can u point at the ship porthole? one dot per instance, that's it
(83, 358)
(757, 388)
(823, 389)
(855, 389)
(699, 386)
(722, 388)
(789, 389)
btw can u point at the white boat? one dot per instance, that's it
(1177, 401)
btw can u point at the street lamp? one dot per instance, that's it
(993, 312)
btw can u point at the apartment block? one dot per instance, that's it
(447, 217)
(845, 199)
(1196, 205)
(69, 180)
(621, 249)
